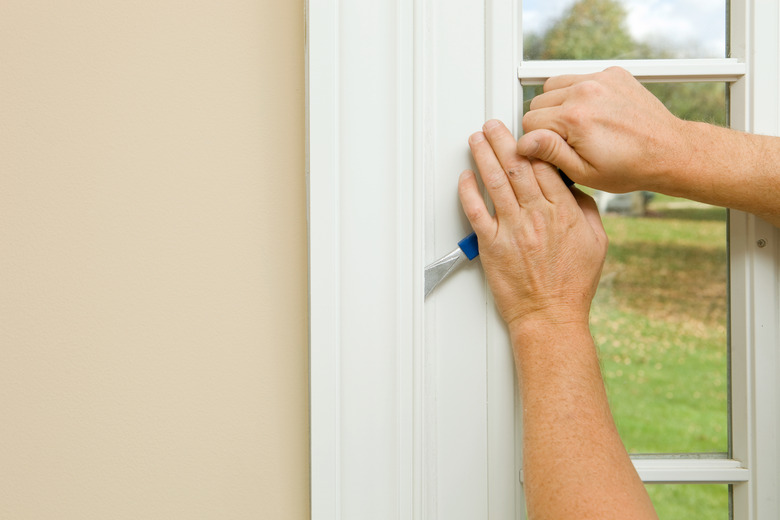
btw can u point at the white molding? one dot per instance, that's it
(456, 370)
(322, 168)
(647, 71)
(365, 260)
(755, 276)
(690, 471)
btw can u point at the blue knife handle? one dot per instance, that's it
(469, 245)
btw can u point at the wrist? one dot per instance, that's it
(542, 325)
(676, 157)
(539, 346)
(709, 164)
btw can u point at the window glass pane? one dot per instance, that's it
(659, 321)
(659, 317)
(623, 29)
(678, 501)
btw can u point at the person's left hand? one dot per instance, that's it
(544, 249)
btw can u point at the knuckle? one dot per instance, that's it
(590, 88)
(604, 239)
(616, 71)
(519, 171)
(538, 220)
(473, 213)
(496, 179)
(576, 116)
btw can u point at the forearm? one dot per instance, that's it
(727, 168)
(574, 462)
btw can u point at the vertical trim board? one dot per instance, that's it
(455, 313)
(324, 295)
(361, 193)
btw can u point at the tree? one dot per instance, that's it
(591, 29)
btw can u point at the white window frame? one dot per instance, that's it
(393, 433)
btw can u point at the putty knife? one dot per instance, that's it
(468, 249)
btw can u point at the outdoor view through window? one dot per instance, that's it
(660, 317)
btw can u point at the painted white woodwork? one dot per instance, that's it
(691, 471)
(365, 266)
(413, 407)
(455, 313)
(647, 71)
(686, 470)
(755, 280)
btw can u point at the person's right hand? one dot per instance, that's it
(606, 131)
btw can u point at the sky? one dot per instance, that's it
(688, 24)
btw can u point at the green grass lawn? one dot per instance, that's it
(660, 322)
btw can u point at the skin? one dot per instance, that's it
(542, 252)
(607, 131)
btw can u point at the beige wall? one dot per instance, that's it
(153, 326)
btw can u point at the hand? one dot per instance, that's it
(606, 131)
(544, 249)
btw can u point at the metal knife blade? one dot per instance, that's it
(435, 272)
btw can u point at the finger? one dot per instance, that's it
(518, 169)
(474, 206)
(549, 118)
(591, 212)
(566, 80)
(550, 147)
(550, 99)
(549, 180)
(502, 141)
(493, 175)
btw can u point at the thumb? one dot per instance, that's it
(550, 147)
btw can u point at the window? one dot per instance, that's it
(412, 401)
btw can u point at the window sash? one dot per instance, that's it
(661, 468)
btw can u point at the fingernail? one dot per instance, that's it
(491, 124)
(477, 137)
